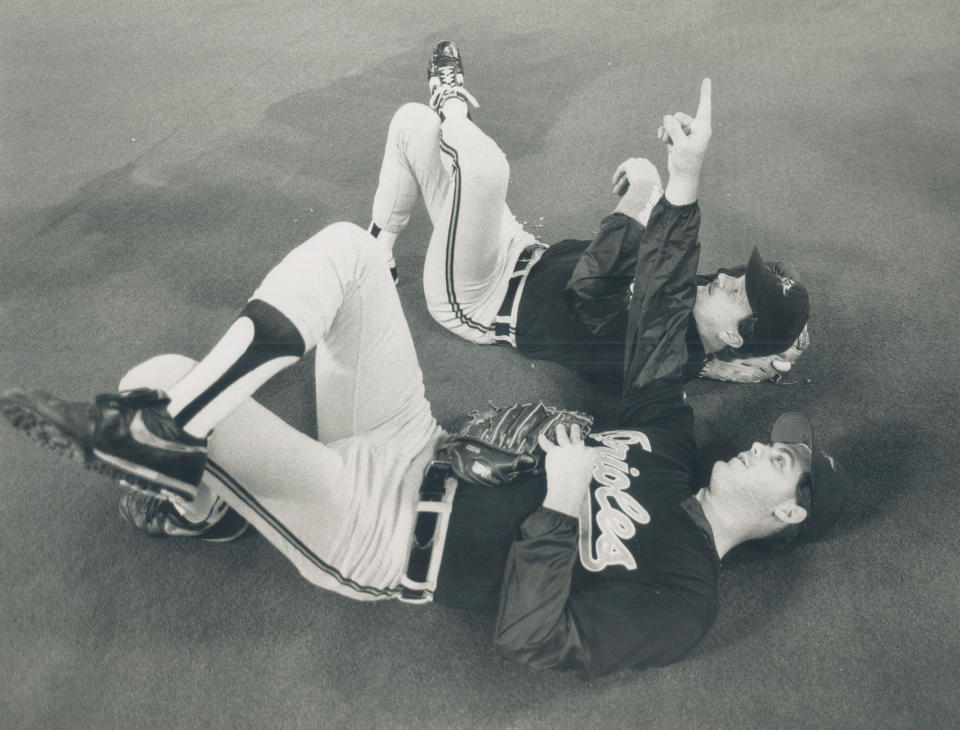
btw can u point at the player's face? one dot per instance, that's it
(722, 304)
(763, 476)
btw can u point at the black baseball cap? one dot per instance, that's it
(780, 303)
(829, 485)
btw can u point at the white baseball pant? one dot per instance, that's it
(462, 175)
(341, 507)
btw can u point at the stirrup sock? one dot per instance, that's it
(259, 344)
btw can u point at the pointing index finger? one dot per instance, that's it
(703, 108)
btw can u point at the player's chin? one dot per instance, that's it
(720, 469)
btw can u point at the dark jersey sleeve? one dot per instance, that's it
(609, 626)
(663, 297)
(599, 287)
(534, 626)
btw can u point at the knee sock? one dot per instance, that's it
(259, 344)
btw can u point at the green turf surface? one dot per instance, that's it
(158, 158)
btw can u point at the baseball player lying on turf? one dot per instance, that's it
(488, 280)
(596, 553)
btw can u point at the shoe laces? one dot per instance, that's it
(448, 75)
(133, 400)
(151, 510)
(141, 505)
(448, 91)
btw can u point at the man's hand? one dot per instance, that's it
(633, 171)
(687, 139)
(569, 466)
(637, 181)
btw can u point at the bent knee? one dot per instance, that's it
(307, 278)
(342, 241)
(161, 372)
(414, 116)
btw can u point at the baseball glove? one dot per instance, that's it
(771, 368)
(499, 444)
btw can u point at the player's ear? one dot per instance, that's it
(790, 512)
(731, 338)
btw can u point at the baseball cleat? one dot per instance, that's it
(445, 76)
(158, 517)
(128, 435)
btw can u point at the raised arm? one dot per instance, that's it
(599, 287)
(687, 139)
(669, 252)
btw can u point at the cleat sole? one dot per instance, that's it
(49, 435)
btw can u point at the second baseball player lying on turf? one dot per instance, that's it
(608, 558)
(488, 280)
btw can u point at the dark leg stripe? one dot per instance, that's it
(452, 239)
(274, 336)
(234, 486)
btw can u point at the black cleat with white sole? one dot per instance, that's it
(128, 435)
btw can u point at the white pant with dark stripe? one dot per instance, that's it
(341, 508)
(462, 175)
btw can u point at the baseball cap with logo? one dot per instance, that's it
(780, 303)
(829, 485)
